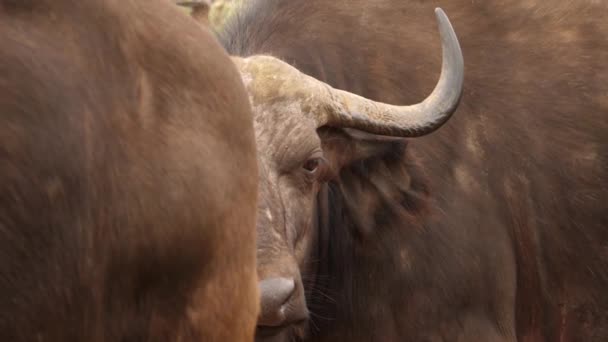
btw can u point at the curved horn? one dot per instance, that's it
(351, 111)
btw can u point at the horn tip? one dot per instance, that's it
(441, 16)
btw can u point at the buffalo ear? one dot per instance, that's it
(343, 147)
(371, 182)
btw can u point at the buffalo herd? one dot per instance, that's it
(312, 170)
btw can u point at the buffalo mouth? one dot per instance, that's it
(268, 332)
(289, 332)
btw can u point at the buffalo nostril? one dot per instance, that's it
(275, 295)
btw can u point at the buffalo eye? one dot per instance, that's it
(315, 167)
(312, 165)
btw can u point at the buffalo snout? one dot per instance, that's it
(282, 304)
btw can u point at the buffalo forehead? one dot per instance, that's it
(275, 88)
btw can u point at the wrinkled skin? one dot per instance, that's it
(286, 135)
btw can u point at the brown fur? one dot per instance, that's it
(124, 149)
(492, 228)
(200, 12)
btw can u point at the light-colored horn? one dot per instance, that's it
(352, 111)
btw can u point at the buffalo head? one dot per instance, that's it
(295, 159)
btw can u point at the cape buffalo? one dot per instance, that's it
(122, 150)
(494, 228)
